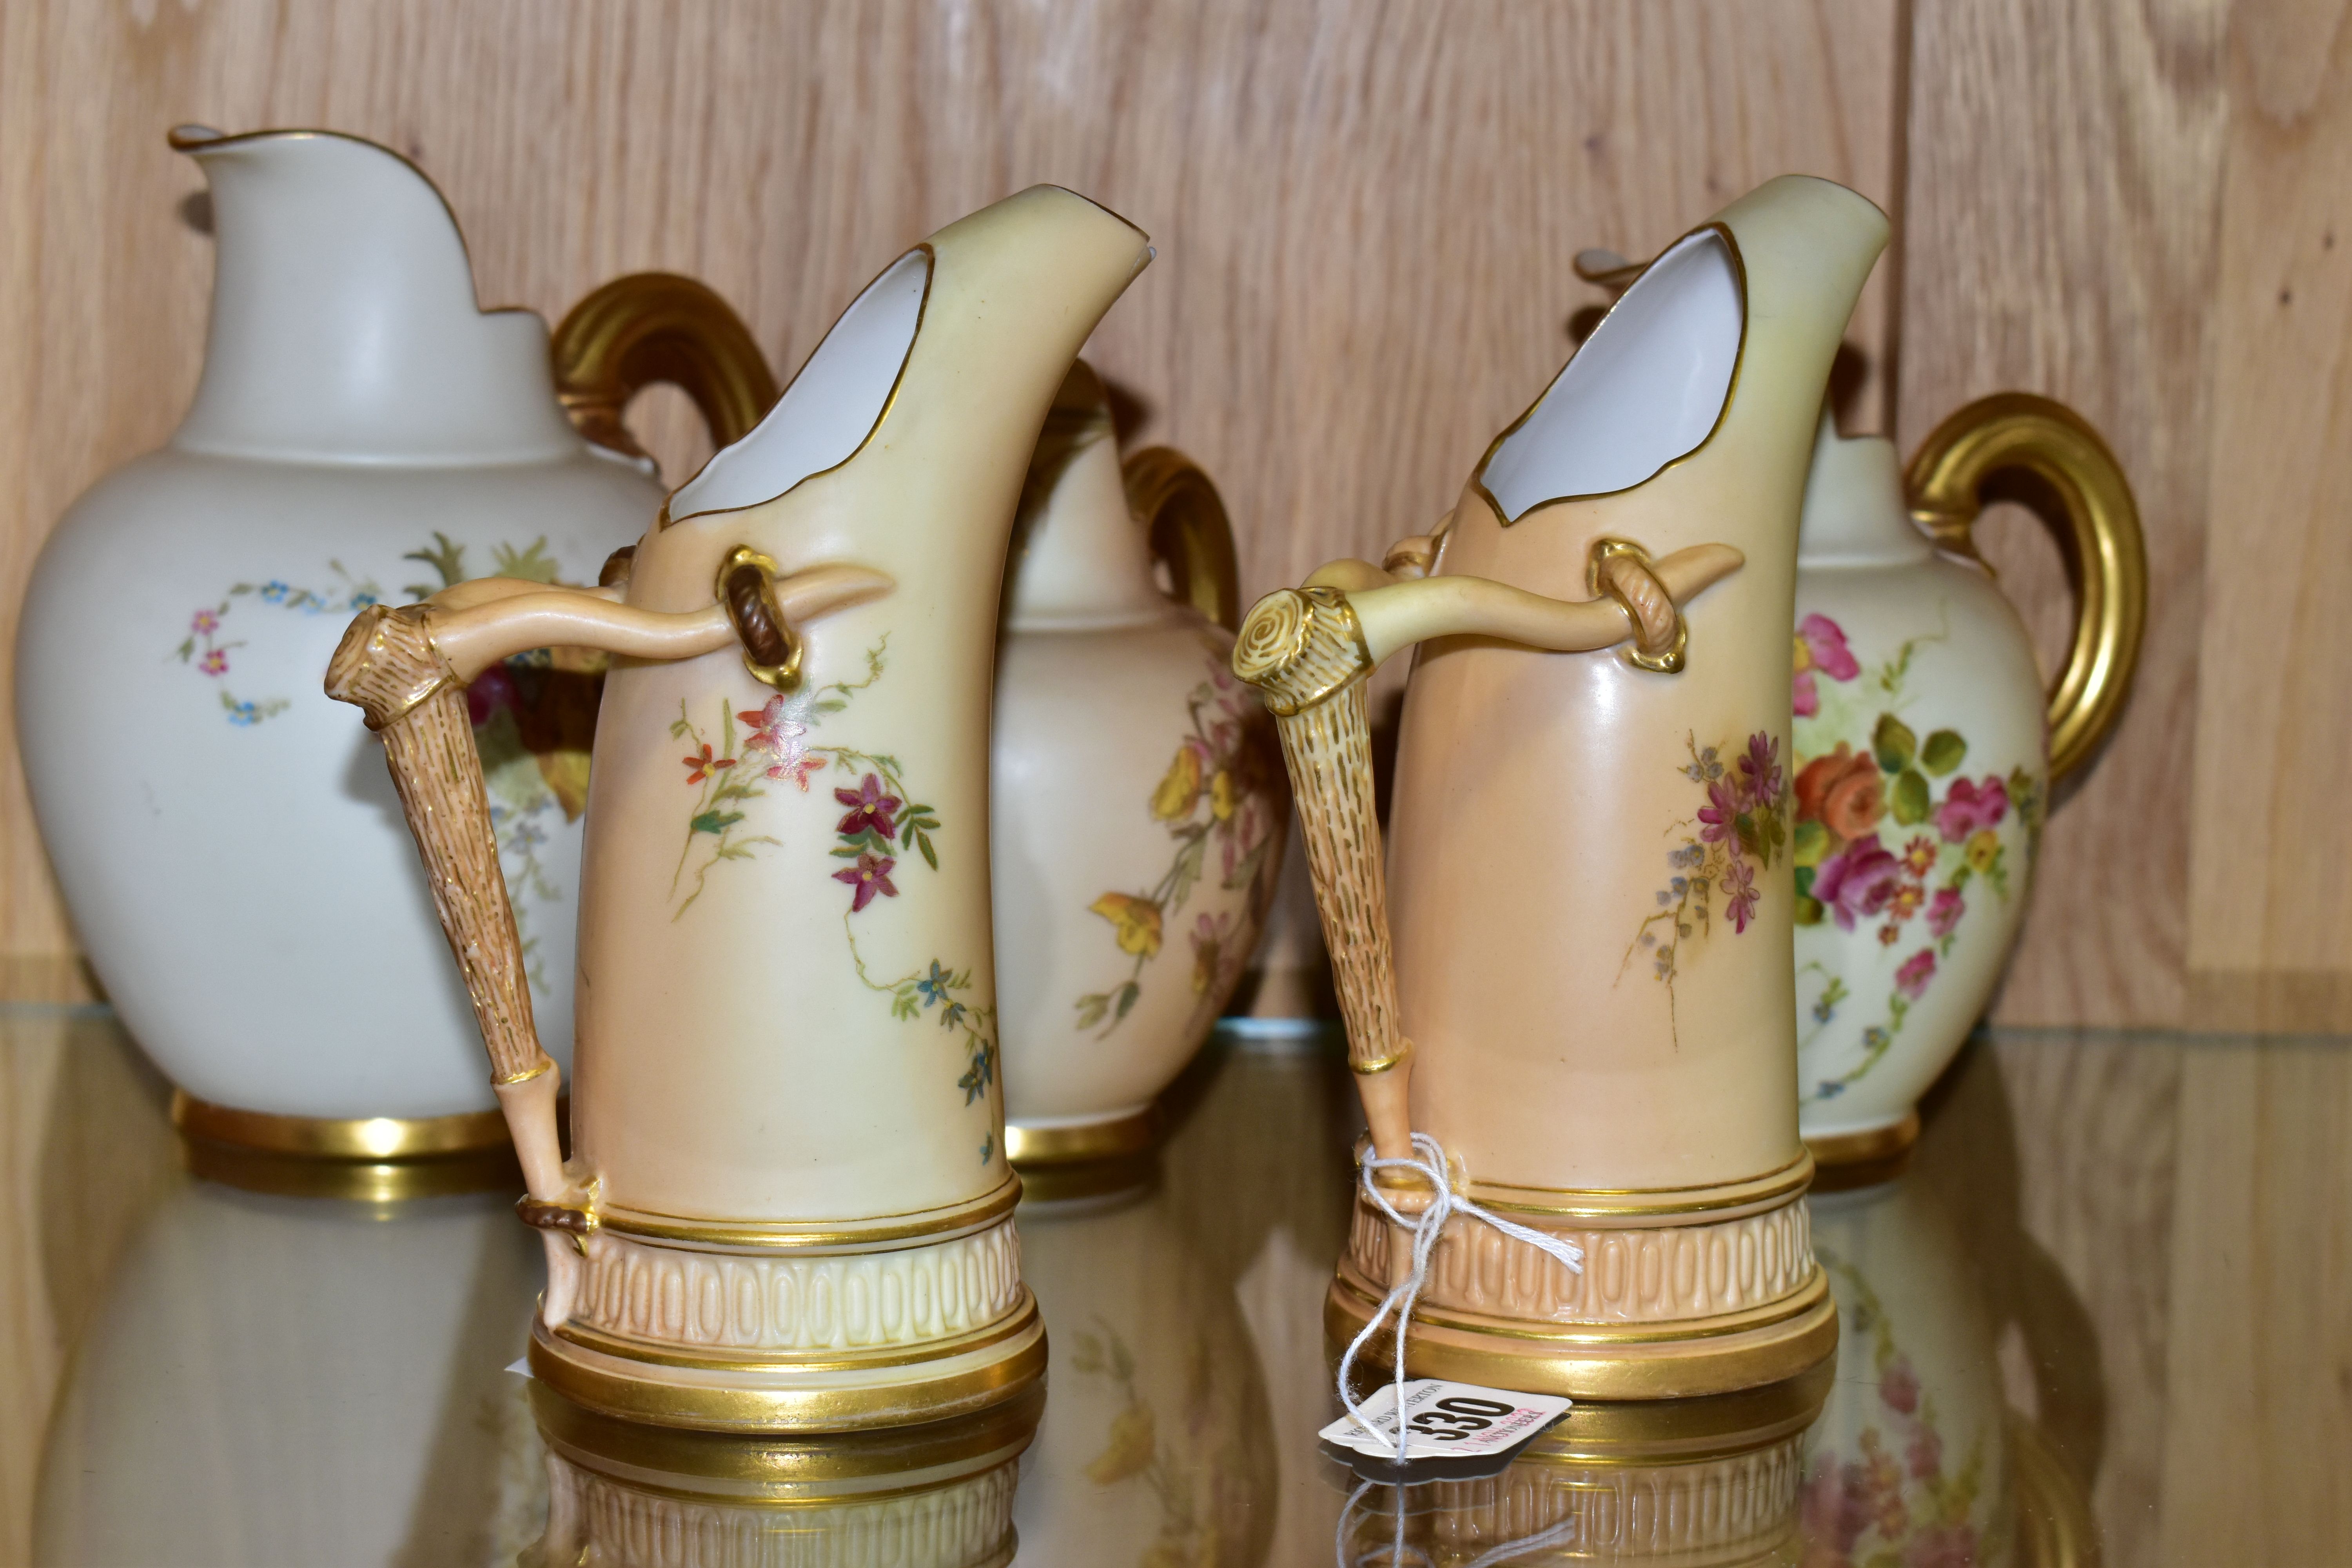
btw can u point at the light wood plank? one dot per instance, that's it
(2270, 936)
(2064, 163)
(1365, 212)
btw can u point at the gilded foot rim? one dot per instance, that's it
(1867, 1147)
(1130, 1134)
(373, 1159)
(1604, 1360)
(903, 1388)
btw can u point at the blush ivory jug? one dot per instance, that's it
(1926, 747)
(1578, 996)
(788, 1203)
(1138, 807)
(361, 425)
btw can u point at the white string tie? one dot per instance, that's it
(1426, 1228)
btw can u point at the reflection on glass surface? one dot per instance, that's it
(624, 1496)
(275, 1380)
(260, 1379)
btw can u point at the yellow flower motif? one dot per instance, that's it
(1984, 848)
(1180, 788)
(1804, 655)
(1221, 796)
(1137, 921)
(1129, 1449)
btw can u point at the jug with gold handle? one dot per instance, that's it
(787, 1204)
(1568, 992)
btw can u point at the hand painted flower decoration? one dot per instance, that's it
(871, 810)
(215, 662)
(1944, 911)
(1843, 791)
(1819, 645)
(870, 876)
(1857, 881)
(702, 763)
(1970, 808)
(1740, 888)
(777, 729)
(1137, 921)
(1917, 971)
(204, 623)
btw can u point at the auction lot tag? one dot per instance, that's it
(1446, 1420)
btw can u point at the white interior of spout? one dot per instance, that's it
(1645, 389)
(832, 406)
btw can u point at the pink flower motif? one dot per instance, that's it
(1945, 912)
(1899, 1387)
(870, 876)
(1825, 641)
(797, 770)
(1917, 971)
(1924, 1459)
(205, 622)
(1969, 807)
(1721, 815)
(777, 730)
(1857, 881)
(215, 662)
(1740, 888)
(1804, 697)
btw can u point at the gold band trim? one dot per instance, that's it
(1873, 1143)
(1730, 1359)
(1089, 1141)
(371, 1137)
(1382, 1064)
(627, 1349)
(1590, 1333)
(1748, 1194)
(546, 1063)
(634, 1390)
(818, 1235)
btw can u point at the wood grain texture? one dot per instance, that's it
(1365, 212)
(2061, 203)
(2270, 934)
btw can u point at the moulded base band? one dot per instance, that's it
(379, 1158)
(1064, 1145)
(902, 1386)
(1868, 1145)
(1603, 1361)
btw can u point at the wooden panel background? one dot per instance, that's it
(1365, 214)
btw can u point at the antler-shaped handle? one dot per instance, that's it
(406, 670)
(1309, 652)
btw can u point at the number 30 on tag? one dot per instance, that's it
(1446, 1420)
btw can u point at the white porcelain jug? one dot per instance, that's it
(224, 839)
(1138, 806)
(1925, 746)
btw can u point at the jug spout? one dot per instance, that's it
(344, 325)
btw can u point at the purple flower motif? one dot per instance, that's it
(870, 810)
(1917, 971)
(1721, 815)
(1970, 808)
(1740, 888)
(1759, 770)
(1824, 641)
(1945, 910)
(1899, 1387)
(870, 876)
(1857, 881)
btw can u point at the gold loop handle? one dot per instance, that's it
(2013, 432)
(1189, 528)
(746, 587)
(652, 327)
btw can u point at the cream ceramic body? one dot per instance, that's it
(275, 1380)
(1920, 776)
(224, 834)
(1137, 812)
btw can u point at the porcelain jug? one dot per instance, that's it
(1567, 995)
(1138, 808)
(361, 432)
(1926, 747)
(788, 1203)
